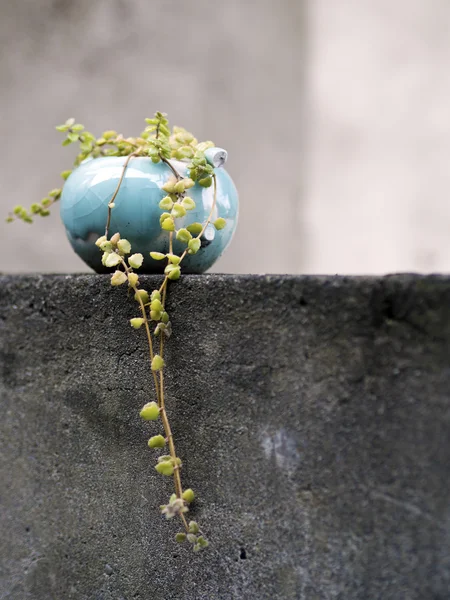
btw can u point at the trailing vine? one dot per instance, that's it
(161, 144)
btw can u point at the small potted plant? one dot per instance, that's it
(157, 203)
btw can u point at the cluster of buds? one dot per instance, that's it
(40, 209)
(193, 536)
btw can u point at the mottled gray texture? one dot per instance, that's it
(312, 415)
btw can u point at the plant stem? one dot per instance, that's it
(159, 385)
(171, 167)
(169, 435)
(147, 329)
(108, 222)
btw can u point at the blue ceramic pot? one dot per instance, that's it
(84, 211)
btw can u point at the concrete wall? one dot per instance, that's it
(312, 416)
(345, 103)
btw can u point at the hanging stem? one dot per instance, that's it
(159, 378)
(147, 329)
(108, 222)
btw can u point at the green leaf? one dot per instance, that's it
(178, 211)
(157, 441)
(193, 527)
(86, 146)
(112, 260)
(157, 363)
(165, 468)
(183, 235)
(150, 411)
(168, 224)
(219, 223)
(194, 245)
(166, 203)
(124, 246)
(205, 182)
(157, 255)
(118, 278)
(135, 260)
(188, 203)
(195, 228)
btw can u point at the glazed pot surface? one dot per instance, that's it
(89, 189)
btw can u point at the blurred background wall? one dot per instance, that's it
(336, 116)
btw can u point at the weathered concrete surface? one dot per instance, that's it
(312, 415)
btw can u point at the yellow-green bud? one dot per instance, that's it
(118, 278)
(157, 441)
(124, 246)
(183, 235)
(165, 468)
(178, 188)
(166, 203)
(205, 182)
(133, 279)
(106, 246)
(112, 259)
(184, 137)
(100, 240)
(188, 183)
(174, 259)
(195, 228)
(163, 458)
(155, 295)
(172, 271)
(168, 224)
(194, 245)
(155, 315)
(193, 527)
(178, 211)
(150, 411)
(143, 295)
(219, 223)
(109, 134)
(156, 304)
(65, 174)
(137, 322)
(165, 317)
(157, 363)
(135, 260)
(157, 255)
(205, 145)
(188, 495)
(180, 537)
(169, 186)
(188, 203)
